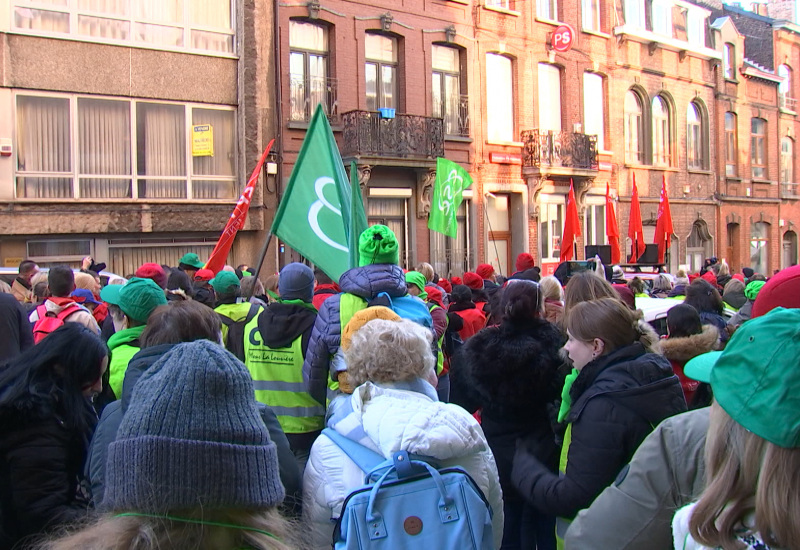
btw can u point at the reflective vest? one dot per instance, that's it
(278, 380)
(562, 524)
(439, 343)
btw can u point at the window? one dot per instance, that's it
(758, 136)
(551, 227)
(547, 9)
(662, 138)
(595, 222)
(84, 147)
(499, 98)
(448, 103)
(502, 4)
(785, 93)
(634, 142)
(729, 61)
(787, 159)
(696, 28)
(634, 13)
(789, 249)
(308, 71)
(731, 144)
(594, 108)
(699, 246)
(695, 137)
(381, 71)
(549, 97)
(662, 17)
(451, 256)
(590, 15)
(498, 247)
(759, 247)
(201, 26)
(393, 213)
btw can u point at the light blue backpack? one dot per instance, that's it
(407, 503)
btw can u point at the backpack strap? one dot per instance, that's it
(252, 312)
(67, 311)
(365, 458)
(225, 320)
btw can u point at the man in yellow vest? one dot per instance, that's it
(275, 345)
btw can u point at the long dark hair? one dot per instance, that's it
(683, 320)
(522, 301)
(50, 377)
(703, 297)
(184, 321)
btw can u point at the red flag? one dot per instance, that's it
(612, 231)
(635, 229)
(664, 229)
(217, 259)
(572, 227)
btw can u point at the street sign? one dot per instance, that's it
(562, 38)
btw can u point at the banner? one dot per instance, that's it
(572, 228)
(451, 180)
(220, 253)
(314, 215)
(664, 229)
(612, 231)
(635, 229)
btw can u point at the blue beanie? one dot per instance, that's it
(193, 437)
(296, 282)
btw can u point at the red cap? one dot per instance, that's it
(738, 277)
(204, 275)
(710, 277)
(473, 280)
(693, 276)
(782, 290)
(456, 280)
(525, 261)
(154, 272)
(445, 284)
(626, 295)
(485, 271)
(434, 295)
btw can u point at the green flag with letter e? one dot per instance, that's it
(314, 215)
(451, 180)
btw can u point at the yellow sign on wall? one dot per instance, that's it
(202, 140)
(10, 261)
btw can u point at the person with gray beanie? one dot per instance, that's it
(275, 346)
(193, 465)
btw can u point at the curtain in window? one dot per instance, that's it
(104, 148)
(128, 260)
(41, 20)
(223, 163)
(499, 98)
(43, 145)
(549, 97)
(100, 27)
(210, 13)
(161, 150)
(594, 107)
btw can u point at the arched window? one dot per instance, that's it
(731, 144)
(695, 140)
(785, 92)
(787, 151)
(729, 61)
(759, 247)
(789, 249)
(662, 138)
(634, 142)
(699, 246)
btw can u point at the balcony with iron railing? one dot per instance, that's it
(565, 153)
(455, 112)
(787, 103)
(790, 191)
(409, 137)
(306, 92)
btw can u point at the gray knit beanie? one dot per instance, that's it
(296, 282)
(193, 437)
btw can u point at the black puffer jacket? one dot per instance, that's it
(616, 401)
(41, 465)
(509, 371)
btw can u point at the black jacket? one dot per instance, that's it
(41, 463)
(510, 372)
(15, 330)
(281, 323)
(616, 401)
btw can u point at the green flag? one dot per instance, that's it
(451, 180)
(314, 216)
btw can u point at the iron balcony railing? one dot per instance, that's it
(787, 103)
(368, 133)
(790, 191)
(306, 92)
(455, 112)
(545, 148)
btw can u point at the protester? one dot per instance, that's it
(416, 283)
(253, 291)
(324, 288)
(637, 287)
(509, 372)
(687, 338)
(553, 299)
(782, 290)
(461, 304)
(88, 281)
(21, 288)
(378, 272)
(153, 271)
(750, 293)
(179, 286)
(662, 286)
(618, 391)
(705, 298)
(486, 272)
(525, 268)
(723, 273)
(480, 297)
(733, 294)
(585, 286)
(61, 283)
(618, 276)
(189, 264)
(193, 465)
(393, 407)
(203, 292)
(271, 288)
(681, 282)
(232, 310)
(243, 270)
(39, 289)
(136, 300)
(46, 422)
(15, 330)
(752, 454)
(275, 347)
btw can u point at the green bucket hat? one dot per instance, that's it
(378, 245)
(137, 299)
(224, 280)
(191, 259)
(756, 379)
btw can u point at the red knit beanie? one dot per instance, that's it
(445, 284)
(484, 271)
(456, 280)
(153, 272)
(473, 280)
(525, 261)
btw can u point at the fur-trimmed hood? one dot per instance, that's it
(684, 348)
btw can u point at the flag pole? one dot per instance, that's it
(261, 258)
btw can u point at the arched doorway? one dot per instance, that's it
(699, 246)
(789, 249)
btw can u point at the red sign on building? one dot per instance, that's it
(563, 38)
(505, 158)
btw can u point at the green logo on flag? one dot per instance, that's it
(451, 180)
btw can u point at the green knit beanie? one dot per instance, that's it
(377, 245)
(752, 289)
(418, 279)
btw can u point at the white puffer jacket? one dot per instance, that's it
(394, 419)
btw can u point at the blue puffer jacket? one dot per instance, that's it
(365, 282)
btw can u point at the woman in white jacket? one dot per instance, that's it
(393, 408)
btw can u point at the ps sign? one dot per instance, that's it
(562, 38)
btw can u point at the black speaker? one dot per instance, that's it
(650, 255)
(602, 250)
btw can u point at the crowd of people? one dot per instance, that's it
(182, 408)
